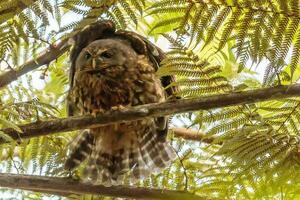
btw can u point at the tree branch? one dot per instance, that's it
(48, 55)
(45, 57)
(68, 186)
(193, 135)
(152, 110)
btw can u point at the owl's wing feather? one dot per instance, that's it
(85, 141)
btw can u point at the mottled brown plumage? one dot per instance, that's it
(110, 72)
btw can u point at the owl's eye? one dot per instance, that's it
(87, 56)
(106, 54)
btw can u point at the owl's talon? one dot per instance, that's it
(118, 107)
(96, 112)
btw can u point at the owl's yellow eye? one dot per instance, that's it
(106, 54)
(87, 55)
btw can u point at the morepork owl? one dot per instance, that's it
(114, 70)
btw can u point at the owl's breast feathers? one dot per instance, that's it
(115, 86)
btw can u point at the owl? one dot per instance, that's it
(116, 70)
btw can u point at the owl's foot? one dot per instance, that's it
(96, 112)
(118, 108)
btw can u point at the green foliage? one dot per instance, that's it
(262, 29)
(213, 48)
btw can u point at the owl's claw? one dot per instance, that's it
(118, 108)
(96, 112)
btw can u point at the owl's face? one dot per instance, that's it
(102, 56)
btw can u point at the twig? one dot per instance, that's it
(189, 134)
(184, 169)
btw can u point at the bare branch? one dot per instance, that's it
(44, 58)
(68, 186)
(193, 135)
(153, 110)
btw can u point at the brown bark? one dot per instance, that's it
(153, 110)
(67, 186)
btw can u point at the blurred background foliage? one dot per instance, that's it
(212, 46)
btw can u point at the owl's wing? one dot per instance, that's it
(82, 39)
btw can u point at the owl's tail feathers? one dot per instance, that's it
(148, 155)
(81, 148)
(156, 152)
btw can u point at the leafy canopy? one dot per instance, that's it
(214, 46)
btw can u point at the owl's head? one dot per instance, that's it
(106, 53)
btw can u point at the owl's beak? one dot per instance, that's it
(96, 62)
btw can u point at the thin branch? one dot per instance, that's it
(68, 186)
(50, 54)
(184, 170)
(193, 135)
(152, 110)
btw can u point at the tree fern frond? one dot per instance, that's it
(173, 20)
(242, 31)
(166, 3)
(288, 37)
(129, 11)
(34, 146)
(230, 25)
(196, 18)
(295, 55)
(199, 81)
(233, 124)
(29, 24)
(169, 9)
(218, 21)
(258, 153)
(47, 5)
(282, 116)
(121, 19)
(184, 21)
(41, 13)
(220, 115)
(138, 5)
(206, 19)
(198, 91)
